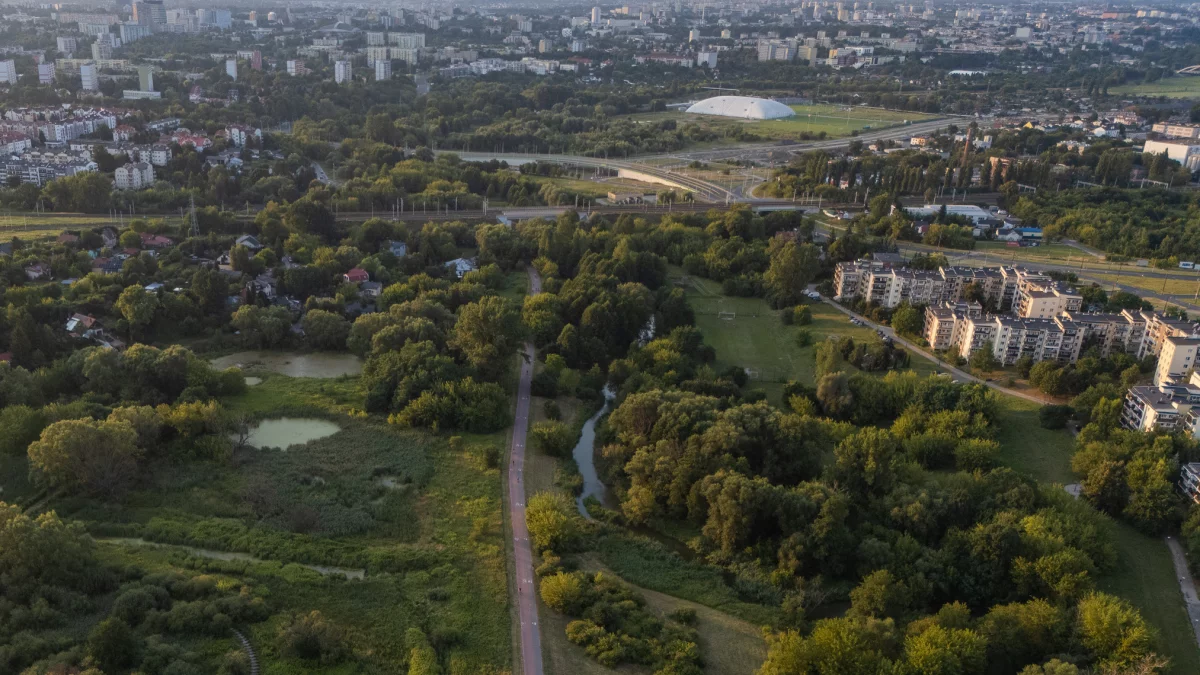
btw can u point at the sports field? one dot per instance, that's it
(1179, 86)
(810, 121)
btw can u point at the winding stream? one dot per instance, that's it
(585, 458)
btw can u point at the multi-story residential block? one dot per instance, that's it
(134, 176)
(8, 72)
(67, 45)
(850, 278)
(946, 321)
(1113, 333)
(1055, 339)
(296, 67)
(1158, 329)
(407, 40)
(1176, 359)
(1189, 481)
(1159, 408)
(1176, 130)
(383, 70)
(90, 76)
(45, 73)
(1038, 299)
(342, 72)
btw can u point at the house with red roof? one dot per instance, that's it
(155, 240)
(356, 276)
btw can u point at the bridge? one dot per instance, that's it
(641, 168)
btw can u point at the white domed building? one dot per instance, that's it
(742, 107)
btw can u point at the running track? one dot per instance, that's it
(531, 640)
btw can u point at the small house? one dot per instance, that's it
(460, 266)
(37, 271)
(249, 241)
(370, 289)
(356, 276)
(397, 248)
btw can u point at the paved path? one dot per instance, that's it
(531, 640)
(1186, 585)
(958, 374)
(249, 651)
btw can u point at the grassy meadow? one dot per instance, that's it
(1179, 86)
(419, 513)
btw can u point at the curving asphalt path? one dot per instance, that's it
(527, 611)
(1186, 586)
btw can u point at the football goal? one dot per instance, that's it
(727, 316)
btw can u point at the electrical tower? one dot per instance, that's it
(195, 231)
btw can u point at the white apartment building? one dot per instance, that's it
(296, 67)
(134, 176)
(8, 72)
(90, 76)
(1045, 299)
(1176, 359)
(946, 321)
(342, 72)
(67, 45)
(383, 70)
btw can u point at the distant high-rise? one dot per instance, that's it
(91, 77)
(145, 78)
(132, 32)
(150, 13)
(67, 45)
(8, 72)
(231, 68)
(102, 48)
(375, 39)
(45, 73)
(296, 67)
(595, 15)
(693, 35)
(342, 72)
(253, 16)
(383, 70)
(256, 60)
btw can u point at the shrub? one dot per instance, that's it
(802, 316)
(311, 637)
(804, 337)
(552, 411)
(552, 438)
(1055, 416)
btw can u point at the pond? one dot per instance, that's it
(585, 457)
(292, 364)
(285, 432)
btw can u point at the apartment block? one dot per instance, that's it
(1158, 329)
(1176, 359)
(1121, 333)
(1056, 339)
(133, 176)
(946, 321)
(1037, 299)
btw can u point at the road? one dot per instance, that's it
(958, 374)
(527, 611)
(1186, 585)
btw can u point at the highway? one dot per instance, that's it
(527, 610)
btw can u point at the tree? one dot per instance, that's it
(946, 651)
(20, 425)
(98, 457)
(311, 637)
(210, 289)
(326, 330)
(552, 438)
(793, 266)
(908, 320)
(1055, 416)
(867, 462)
(263, 327)
(564, 592)
(138, 307)
(551, 521)
(113, 645)
(878, 595)
(1105, 487)
(308, 216)
(983, 361)
(130, 239)
(488, 332)
(1113, 631)
(422, 659)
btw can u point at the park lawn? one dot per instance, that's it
(1181, 86)
(1144, 574)
(439, 531)
(756, 339)
(1048, 252)
(1030, 449)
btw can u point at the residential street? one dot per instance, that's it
(527, 611)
